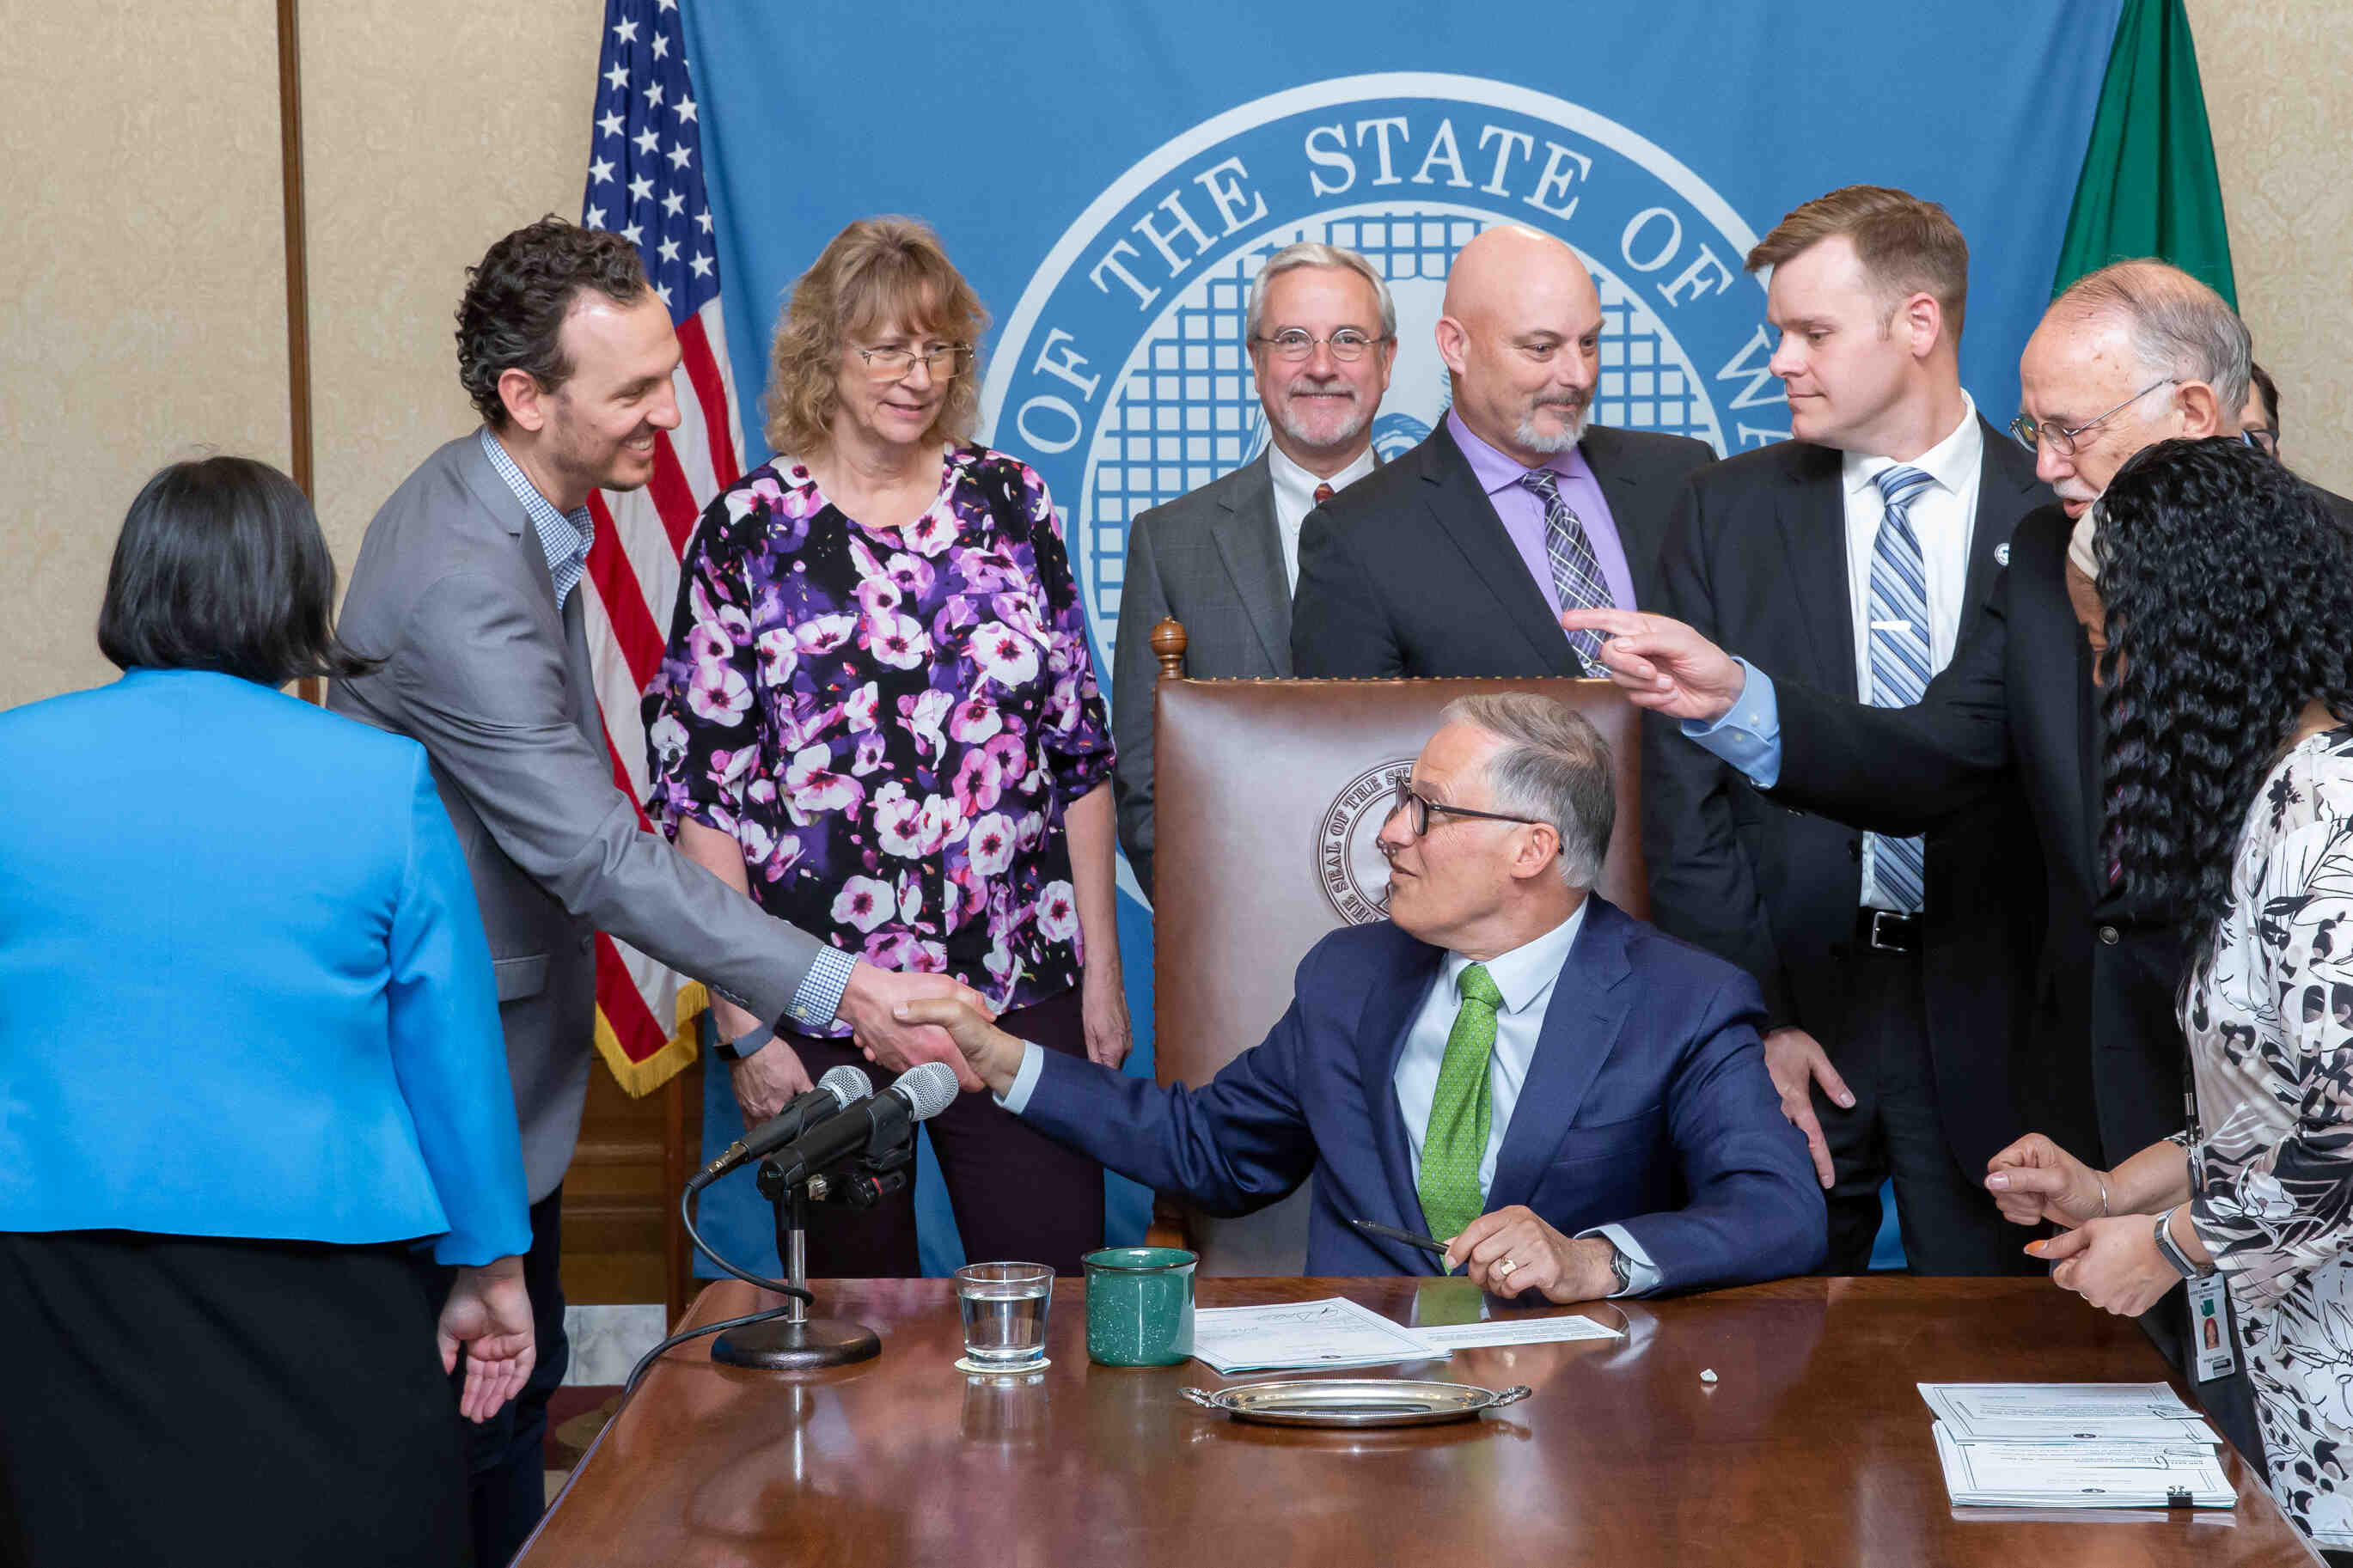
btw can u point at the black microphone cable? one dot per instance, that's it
(645, 1362)
(925, 1091)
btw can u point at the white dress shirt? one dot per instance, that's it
(1294, 497)
(1943, 516)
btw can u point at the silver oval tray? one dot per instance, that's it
(1355, 1402)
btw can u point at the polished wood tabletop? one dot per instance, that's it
(1812, 1446)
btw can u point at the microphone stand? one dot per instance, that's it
(797, 1342)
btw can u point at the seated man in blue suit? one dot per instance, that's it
(1577, 1104)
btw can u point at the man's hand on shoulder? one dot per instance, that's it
(1664, 665)
(1511, 1251)
(870, 1006)
(987, 1056)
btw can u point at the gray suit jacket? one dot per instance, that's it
(451, 590)
(1213, 559)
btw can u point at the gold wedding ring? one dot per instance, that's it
(1504, 1269)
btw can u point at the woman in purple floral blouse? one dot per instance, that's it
(878, 716)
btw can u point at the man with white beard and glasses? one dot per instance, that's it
(1456, 559)
(1222, 560)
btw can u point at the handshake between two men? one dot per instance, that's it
(1575, 1103)
(1508, 1252)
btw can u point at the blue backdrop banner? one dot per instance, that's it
(1109, 177)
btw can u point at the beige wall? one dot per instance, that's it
(2279, 91)
(141, 145)
(144, 287)
(144, 290)
(490, 131)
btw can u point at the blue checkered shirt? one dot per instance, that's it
(564, 537)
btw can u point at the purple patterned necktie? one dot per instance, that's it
(1576, 579)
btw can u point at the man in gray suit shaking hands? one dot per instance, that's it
(469, 588)
(1224, 559)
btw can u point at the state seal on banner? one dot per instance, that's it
(1121, 375)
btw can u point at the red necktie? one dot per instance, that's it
(1323, 494)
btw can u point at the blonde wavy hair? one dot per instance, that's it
(879, 273)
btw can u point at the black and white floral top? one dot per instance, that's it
(2270, 1027)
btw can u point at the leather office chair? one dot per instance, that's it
(1268, 794)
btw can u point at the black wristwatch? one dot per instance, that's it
(743, 1046)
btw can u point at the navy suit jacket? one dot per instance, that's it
(1647, 1105)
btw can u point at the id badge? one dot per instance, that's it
(2213, 1347)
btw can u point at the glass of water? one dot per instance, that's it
(1004, 1313)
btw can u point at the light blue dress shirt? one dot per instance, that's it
(1748, 736)
(1526, 976)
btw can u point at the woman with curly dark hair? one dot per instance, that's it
(2228, 592)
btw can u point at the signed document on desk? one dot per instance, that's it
(1332, 1332)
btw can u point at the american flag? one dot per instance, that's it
(645, 182)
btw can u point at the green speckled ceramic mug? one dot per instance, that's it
(1140, 1306)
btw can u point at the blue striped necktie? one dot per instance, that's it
(1901, 656)
(1577, 580)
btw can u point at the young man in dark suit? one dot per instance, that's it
(1856, 557)
(1456, 558)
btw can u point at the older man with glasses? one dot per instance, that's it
(1222, 560)
(1551, 1094)
(2128, 356)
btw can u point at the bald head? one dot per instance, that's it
(1522, 342)
(1512, 270)
(2135, 353)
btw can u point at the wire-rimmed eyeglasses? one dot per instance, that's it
(1297, 343)
(944, 360)
(2032, 435)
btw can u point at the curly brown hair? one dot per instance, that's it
(518, 296)
(880, 272)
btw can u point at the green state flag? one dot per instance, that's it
(2148, 186)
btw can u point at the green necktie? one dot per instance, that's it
(1461, 1111)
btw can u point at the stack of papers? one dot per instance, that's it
(2074, 1444)
(1337, 1332)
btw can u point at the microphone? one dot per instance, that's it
(921, 1092)
(835, 1092)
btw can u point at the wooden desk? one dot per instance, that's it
(1813, 1448)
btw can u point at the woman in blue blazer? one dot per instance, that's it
(258, 1148)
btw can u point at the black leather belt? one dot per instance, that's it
(1882, 931)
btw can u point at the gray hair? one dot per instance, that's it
(1553, 766)
(1310, 253)
(2179, 326)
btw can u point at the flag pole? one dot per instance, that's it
(298, 281)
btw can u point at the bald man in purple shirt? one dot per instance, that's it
(1458, 558)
